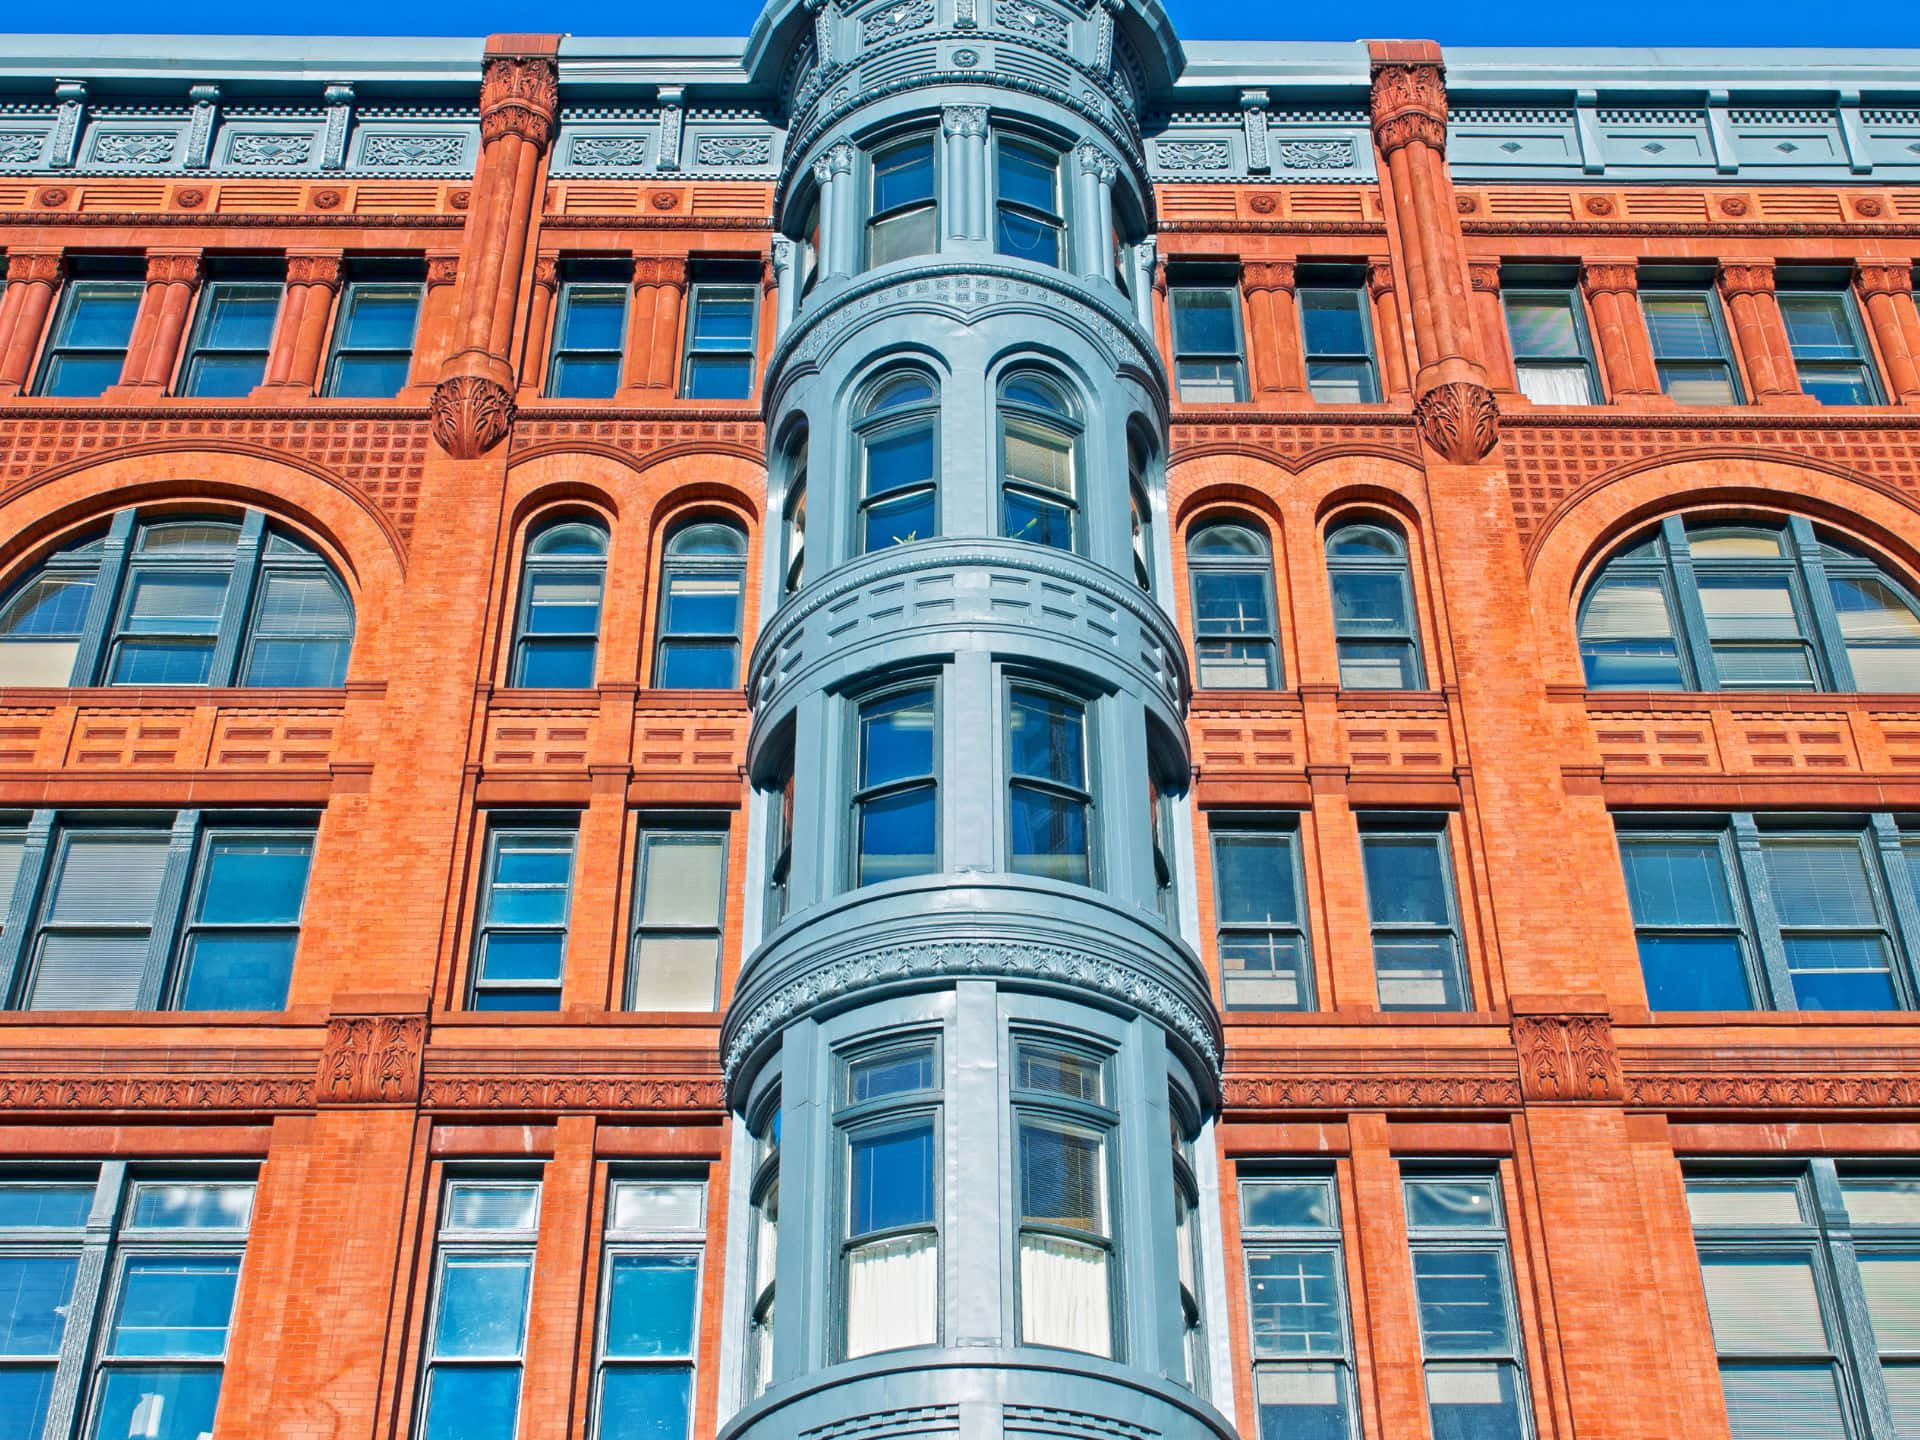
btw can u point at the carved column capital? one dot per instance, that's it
(322, 270)
(1096, 162)
(1459, 420)
(174, 267)
(470, 415)
(1883, 277)
(546, 272)
(36, 267)
(1379, 277)
(782, 256)
(657, 270)
(1746, 277)
(371, 1059)
(442, 270)
(964, 122)
(519, 95)
(1484, 275)
(1610, 277)
(1257, 276)
(1409, 105)
(838, 160)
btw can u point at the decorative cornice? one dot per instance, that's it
(156, 1092)
(1408, 106)
(470, 415)
(1746, 277)
(1459, 420)
(519, 95)
(1766, 1092)
(1628, 228)
(676, 1093)
(1370, 1092)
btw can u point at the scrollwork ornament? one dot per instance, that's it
(1459, 421)
(470, 415)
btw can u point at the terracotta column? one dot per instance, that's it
(1490, 327)
(653, 324)
(1885, 289)
(300, 336)
(435, 336)
(519, 95)
(1273, 333)
(1452, 401)
(1388, 333)
(1620, 331)
(154, 348)
(533, 352)
(32, 278)
(1747, 288)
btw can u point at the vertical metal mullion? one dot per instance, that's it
(1905, 920)
(1855, 1346)
(95, 630)
(1693, 615)
(22, 912)
(83, 1310)
(1826, 620)
(1766, 919)
(168, 911)
(233, 615)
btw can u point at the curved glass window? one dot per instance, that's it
(904, 215)
(1236, 645)
(1711, 604)
(1140, 509)
(1039, 433)
(895, 814)
(1064, 1126)
(1051, 802)
(793, 528)
(1373, 623)
(763, 1245)
(1028, 221)
(898, 434)
(888, 1119)
(701, 588)
(178, 601)
(558, 627)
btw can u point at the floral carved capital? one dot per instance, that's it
(372, 1059)
(174, 270)
(1484, 276)
(964, 121)
(1620, 278)
(1379, 278)
(1259, 275)
(314, 270)
(442, 270)
(43, 267)
(1746, 277)
(1409, 105)
(1567, 1057)
(1459, 420)
(470, 415)
(1888, 278)
(652, 271)
(519, 95)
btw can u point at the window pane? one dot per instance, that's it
(254, 881)
(109, 880)
(1697, 385)
(1048, 836)
(1253, 873)
(1342, 382)
(584, 377)
(1452, 1205)
(1233, 665)
(1203, 322)
(903, 176)
(1029, 239)
(483, 1306)
(1763, 1304)
(1293, 1304)
(676, 972)
(24, 1393)
(1892, 1283)
(645, 1402)
(650, 1306)
(1369, 601)
(1417, 973)
(1209, 382)
(563, 604)
(1378, 665)
(897, 836)
(1903, 1395)
(1064, 1297)
(719, 377)
(893, 1294)
(1882, 1202)
(722, 319)
(468, 1402)
(237, 971)
(48, 605)
(1475, 1402)
(172, 602)
(1035, 520)
(1817, 882)
(898, 1072)
(380, 317)
(1054, 1071)
(1626, 635)
(34, 1290)
(1681, 327)
(1840, 972)
(1545, 383)
(157, 1404)
(901, 236)
(1332, 322)
(1783, 1402)
(703, 605)
(1039, 456)
(1027, 177)
(102, 314)
(1286, 1204)
(174, 1306)
(492, 1207)
(655, 1205)
(1695, 972)
(1768, 1203)
(681, 878)
(890, 1175)
(191, 1206)
(1406, 880)
(32, 1206)
(240, 316)
(1048, 737)
(688, 666)
(1817, 326)
(1463, 1302)
(1542, 327)
(1231, 602)
(593, 317)
(896, 738)
(523, 957)
(1062, 1177)
(1264, 971)
(1302, 1402)
(1676, 882)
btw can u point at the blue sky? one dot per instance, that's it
(1489, 22)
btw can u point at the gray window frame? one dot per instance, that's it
(374, 277)
(1862, 358)
(1400, 566)
(199, 346)
(1689, 364)
(763, 1200)
(871, 424)
(121, 278)
(1569, 296)
(1238, 358)
(1058, 218)
(666, 1243)
(677, 826)
(1367, 356)
(502, 830)
(576, 277)
(871, 160)
(1198, 565)
(1437, 830)
(1224, 825)
(451, 1241)
(692, 348)
(1258, 1242)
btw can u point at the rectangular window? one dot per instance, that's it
(679, 901)
(477, 1326)
(1265, 962)
(1297, 1314)
(232, 334)
(1693, 938)
(1551, 355)
(889, 1124)
(42, 1230)
(168, 1309)
(1166, 900)
(1417, 960)
(779, 849)
(1027, 217)
(373, 336)
(88, 347)
(1339, 344)
(1469, 1328)
(721, 342)
(104, 931)
(650, 1309)
(1690, 349)
(763, 1242)
(894, 799)
(1209, 363)
(1063, 1129)
(589, 330)
(1051, 800)
(520, 945)
(1186, 1236)
(1828, 349)
(904, 212)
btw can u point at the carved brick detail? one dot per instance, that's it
(1567, 1057)
(1758, 1092)
(155, 1092)
(470, 415)
(1746, 277)
(674, 1093)
(372, 1059)
(1409, 105)
(314, 270)
(1369, 1092)
(1880, 277)
(1259, 275)
(1459, 420)
(519, 95)
(43, 267)
(173, 268)
(1615, 278)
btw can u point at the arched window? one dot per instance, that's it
(173, 600)
(701, 587)
(1236, 645)
(897, 430)
(1768, 604)
(1373, 625)
(1038, 435)
(558, 628)
(1140, 508)
(793, 522)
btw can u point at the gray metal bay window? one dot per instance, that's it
(1039, 480)
(888, 1118)
(482, 1291)
(1065, 1124)
(1050, 793)
(897, 437)
(895, 798)
(903, 216)
(1297, 1314)
(1029, 218)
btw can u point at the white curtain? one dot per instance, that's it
(1556, 384)
(1063, 1295)
(893, 1289)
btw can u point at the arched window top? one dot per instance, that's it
(178, 600)
(1034, 391)
(900, 391)
(1718, 603)
(1366, 539)
(1228, 539)
(566, 538)
(707, 539)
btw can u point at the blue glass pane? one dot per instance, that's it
(546, 998)
(380, 318)
(1027, 517)
(723, 322)
(224, 377)
(192, 1205)
(1369, 600)
(1463, 1302)
(301, 664)
(903, 176)
(50, 1206)
(890, 1179)
(1452, 1204)
(899, 1072)
(1694, 972)
(371, 377)
(584, 377)
(897, 836)
(563, 605)
(896, 738)
(1817, 326)
(1632, 665)
(1048, 737)
(1676, 882)
(1285, 1204)
(533, 861)
(547, 664)
(1406, 880)
(46, 606)
(1231, 602)
(1342, 382)
(650, 1402)
(483, 1306)
(593, 318)
(240, 317)
(1840, 972)
(1302, 1402)
(1048, 836)
(912, 389)
(24, 1392)
(80, 376)
(519, 905)
(149, 1404)
(719, 377)
(1837, 384)
(1332, 322)
(237, 972)
(1203, 322)
(471, 1402)
(569, 539)
(650, 1306)
(511, 956)
(1028, 178)
(1253, 875)
(254, 881)
(101, 316)
(711, 538)
(899, 458)
(686, 666)
(703, 604)
(1816, 882)
(1029, 239)
(174, 1305)
(901, 521)
(1475, 1402)
(34, 1290)
(176, 602)
(1293, 1304)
